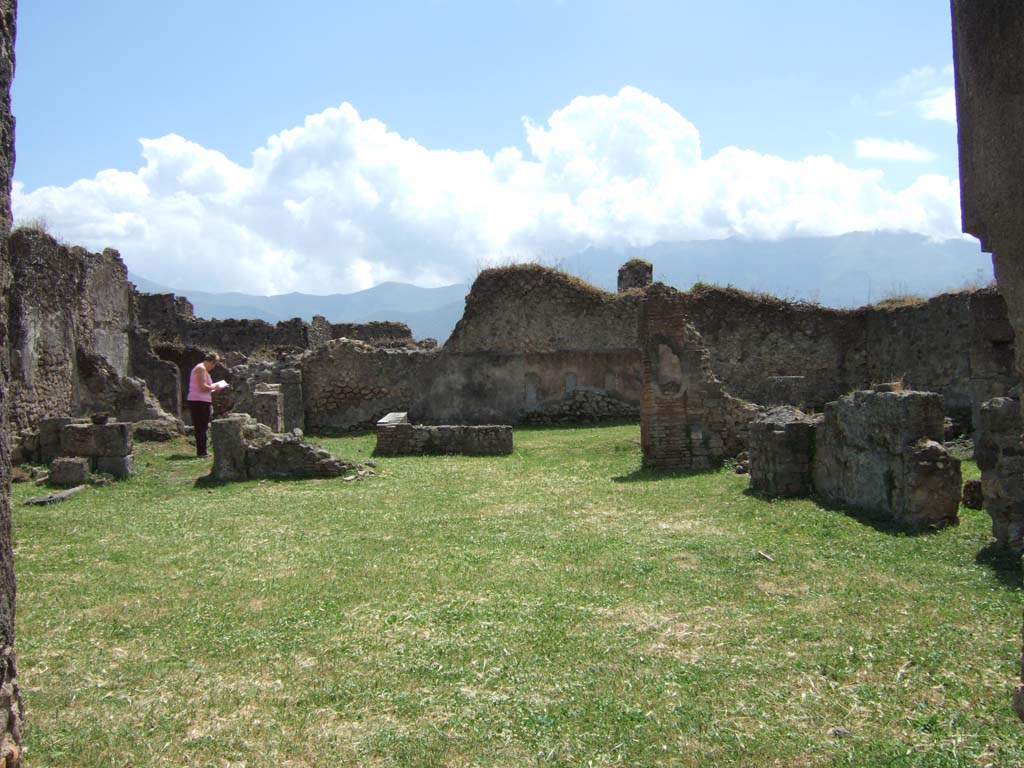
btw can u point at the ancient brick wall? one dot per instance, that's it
(244, 449)
(687, 420)
(162, 377)
(105, 308)
(999, 452)
(350, 384)
(533, 309)
(11, 713)
(171, 321)
(73, 343)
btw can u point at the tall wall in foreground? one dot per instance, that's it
(10, 699)
(988, 58)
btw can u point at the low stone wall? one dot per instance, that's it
(397, 437)
(781, 453)
(999, 452)
(244, 449)
(881, 452)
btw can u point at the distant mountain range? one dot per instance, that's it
(848, 270)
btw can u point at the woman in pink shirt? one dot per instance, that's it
(200, 400)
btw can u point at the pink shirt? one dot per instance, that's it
(200, 385)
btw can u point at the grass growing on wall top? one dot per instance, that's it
(557, 607)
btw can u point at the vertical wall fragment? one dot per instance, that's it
(10, 699)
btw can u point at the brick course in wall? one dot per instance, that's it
(687, 420)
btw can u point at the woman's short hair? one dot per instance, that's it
(212, 357)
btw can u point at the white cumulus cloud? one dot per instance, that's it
(938, 104)
(883, 149)
(340, 202)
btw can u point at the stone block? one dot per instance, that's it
(866, 458)
(973, 497)
(156, 430)
(117, 466)
(69, 471)
(268, 407)
(781, 453)
(78, 440)
(228, 448)
(50, 438)
(113, 439)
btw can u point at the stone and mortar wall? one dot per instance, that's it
(283, 376)
(397, 437)
(171, 321)
(72, 336)
(162, 377)
(11, 711)
(881, 452)
(989, 73)
(348, 384)
(782, 452)
(42, 328)
(531, 336)
(775, 352)
(535, 346)
(541, 347)
(687, 420)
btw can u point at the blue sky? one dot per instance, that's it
(345, 202)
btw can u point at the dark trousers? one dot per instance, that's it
(201, 423)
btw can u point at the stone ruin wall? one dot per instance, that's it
(535, 345)
(775, 352)
(172, 321)
(531, 337)
(350, 385)
(882, 452)
(11, 712)
(73, 337)
(687, 420)
(876, 452)
(989, 78)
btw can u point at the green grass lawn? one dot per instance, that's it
(556, 607)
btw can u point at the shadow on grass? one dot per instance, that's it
(209, 481)
(648, 474)
(1004, 564)
(182, 457)
(877, 520)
